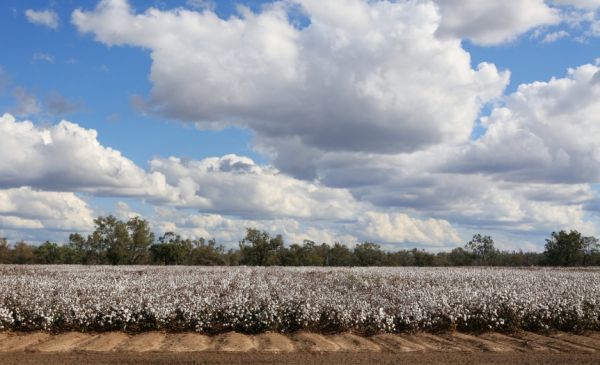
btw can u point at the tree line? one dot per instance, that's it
(117, 242)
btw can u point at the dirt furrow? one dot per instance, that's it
(314, 342)
(276, 343)
(437, 343)
(20, 342)
(103, 342)
(554, 343)
(144, 342)
(395, 343)
(186, 342)
(233, 342)
(65, 342)
(478, 342)
(590, 342)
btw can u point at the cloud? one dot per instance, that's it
(202, 4)
(374, 109)
(66, 157)
(41, 56)
(46, 18)
(234, 187)
(375, 79)
(216, 185)
(493, 22)
(545, 132)
(399, 227)
(57, 104)
(391, 230)
(25, 208)
(582, 4)
(27, 103)
(554, 36)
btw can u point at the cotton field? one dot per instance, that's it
(252, 300)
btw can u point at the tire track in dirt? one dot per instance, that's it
(233, 342)
(20, 342)
(274, 342)
(397, 343)
(65, 342)
(144, 342)
(479, 343)
(353, 343)
(314, 342)
(555, 343)
(104, 342)
(186, 342)
(578, 340)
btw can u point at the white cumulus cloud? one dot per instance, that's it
(46, 18)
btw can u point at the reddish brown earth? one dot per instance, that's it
(298, 348)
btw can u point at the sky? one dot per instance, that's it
(410, 123)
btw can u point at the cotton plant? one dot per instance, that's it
(252, 299)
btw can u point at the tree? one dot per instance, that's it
(482, 249)
(591, 251)
(4, 251)
(565, 249)
(102, 245)
(22, 253)
(171, 249)
(79, 249)
(423, 258)
(369, 254)
(340, 255)
(140, 237)
(117, 242)
(260, 249)
(48, 253)
(207, 253)
(459, 257)
(307, 254)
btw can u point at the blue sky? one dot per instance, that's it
(313, 148)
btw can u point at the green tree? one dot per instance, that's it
(565, 249)
(4, 251)
(459, 257)
(423, 258)
(80, 251)
(482, 248)
(171, 249)
(341, 255)
(48, 253)
(260, 249)
(369, 254)
(591, 251)
(138, 239)
(208, 253)
(22, 253)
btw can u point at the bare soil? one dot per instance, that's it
(298, 348)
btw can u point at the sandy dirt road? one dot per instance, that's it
(298, 348)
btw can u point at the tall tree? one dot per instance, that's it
(482, 248)
(138, 239)
(565, 249)
(4, 251)
(259, 248)
(48, 253)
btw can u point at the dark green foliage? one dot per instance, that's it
(482, 249)
(260, 249)
(571, 249)
(118, 242)
(369, 254)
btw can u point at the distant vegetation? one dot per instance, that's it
(115, 242)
